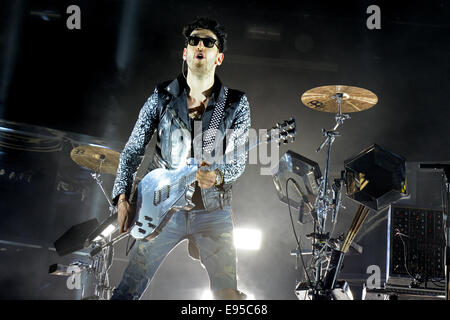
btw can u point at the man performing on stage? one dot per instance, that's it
(182, 104)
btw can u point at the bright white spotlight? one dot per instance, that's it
(248, 239)
(105, 233)
(207, 295)
(108, 230)
(250, 296)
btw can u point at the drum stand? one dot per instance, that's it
(101, 255)
(98, 180)
(103, 250)
(323, 202)
(329, 199)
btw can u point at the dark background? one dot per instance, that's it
(60, 88)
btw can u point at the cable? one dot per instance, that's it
(128, 248)
(417, 278)
(293, 227)
(289, 206)
(398, 233)
(437, 283)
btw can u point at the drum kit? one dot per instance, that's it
(327, 253)
(337, 99)
(94, 275)
(375, 178)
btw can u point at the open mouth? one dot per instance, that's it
(199, 56)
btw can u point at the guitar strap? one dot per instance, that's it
(209, 137)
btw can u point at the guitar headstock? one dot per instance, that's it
(283, 132)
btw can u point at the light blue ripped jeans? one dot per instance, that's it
(212, 233)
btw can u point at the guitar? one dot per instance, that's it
(162, 192)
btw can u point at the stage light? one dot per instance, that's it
(250, 296)
(247, 239)
(109, 229)
(105, 233)
(206, 295)
(46, 15)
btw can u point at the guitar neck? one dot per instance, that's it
(283, 132)
(230, 155)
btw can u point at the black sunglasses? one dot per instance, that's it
(207, 42)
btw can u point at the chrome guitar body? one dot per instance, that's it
(164, 191)
(160, 193)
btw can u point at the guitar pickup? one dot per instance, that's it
(151, 225)
(148, 218)
(141, 230)
(161, 195)
(156, 197)
(139, 224)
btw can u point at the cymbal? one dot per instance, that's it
(354, 99)
(97, 159)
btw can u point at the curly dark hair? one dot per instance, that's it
(209, 24)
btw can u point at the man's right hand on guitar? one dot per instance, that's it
(206, 179)
(124, 214)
